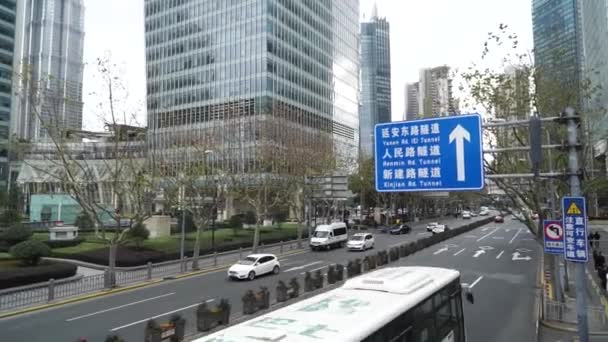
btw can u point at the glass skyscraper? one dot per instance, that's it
(225, 73)
(7, 48)
(595, 33)
(558, 50)
(375, 80)
(50, 41)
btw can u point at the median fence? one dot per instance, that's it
(53, 290)
(209, 317)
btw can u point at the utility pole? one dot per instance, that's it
(573, 120)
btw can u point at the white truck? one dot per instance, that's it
(327, 236)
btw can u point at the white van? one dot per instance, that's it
(329, 235)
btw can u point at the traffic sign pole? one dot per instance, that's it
(575, 190)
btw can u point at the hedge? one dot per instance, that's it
(64, 243)
(129, 257)
(30, 275)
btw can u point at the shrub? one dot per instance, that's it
(83, 221)
(30, 251)
(35, 274)
(15, 234)
(139, 233)
(9, 217)
(64, 243)
(249, 217)
(236, 223)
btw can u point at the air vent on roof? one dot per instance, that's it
(400, 280)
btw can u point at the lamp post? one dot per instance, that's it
(182, 193)
(214, 207)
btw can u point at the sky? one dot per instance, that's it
(424, 33)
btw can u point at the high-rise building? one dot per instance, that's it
(435, 92)
(49, 63)
(558, 50)
(228, 70)
(595, 47)
(375, 79)
(7, 48)
(412, 109)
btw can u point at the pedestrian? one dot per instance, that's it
(601, 261)
(595, 259)
(602, 274)
(596, 236)
(590, 238)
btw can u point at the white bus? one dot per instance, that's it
(400, 304)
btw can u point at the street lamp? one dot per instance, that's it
(182, 194)
(214, 208)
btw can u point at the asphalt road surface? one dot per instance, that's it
(503, 283)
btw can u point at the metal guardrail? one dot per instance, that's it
(50, 291)
(564, 313)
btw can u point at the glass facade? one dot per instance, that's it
(7, 49)
(50, 44)
(595, 33)
(220, 72)
(375, 81)
(412, 109)
(558, 44)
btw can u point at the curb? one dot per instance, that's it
(561, 327)
(122, 289)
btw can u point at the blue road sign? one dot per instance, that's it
(575, 229)
(439, 154)
(554, 237)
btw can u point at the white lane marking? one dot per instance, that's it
(155, 317)
(303, 266)
(484, 229)
(470, 236)
(119, 307)
(288, 263)
(498, 237)
(490, 233)
(475, 282)
(440, 250)
(499, 254)
(421, 233)
(528, 239)
(210, 300)
(516, 256)
(460, 251)
(315, 269)
(514, 236)
(482, 250)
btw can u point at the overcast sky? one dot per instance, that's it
(424, 33)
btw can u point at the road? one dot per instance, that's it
(506, 286)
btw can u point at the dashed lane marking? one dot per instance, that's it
(460, 251)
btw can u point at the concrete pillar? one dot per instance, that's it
(228, 208)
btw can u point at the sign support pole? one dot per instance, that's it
(575, 190)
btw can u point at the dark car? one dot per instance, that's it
(385, 229)
(499, 219)
(402, 229)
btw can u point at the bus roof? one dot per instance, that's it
(346, 314)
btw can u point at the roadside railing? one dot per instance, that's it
(562, 312)
(47, 292)
(37, 294)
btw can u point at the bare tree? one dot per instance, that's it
(513, 92)
(114, 188)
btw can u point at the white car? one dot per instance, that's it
(466, 214)
(440, 228)
(254, 265)
(360, 241)
(431, 225)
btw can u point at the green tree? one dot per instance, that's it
(362, 184)
(83, 221)
(30, 251)
(236, 223)
(16, 234)
(138, 234)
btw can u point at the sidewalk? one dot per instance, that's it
(546, 334)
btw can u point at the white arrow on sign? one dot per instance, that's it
(517, 257)
(459, 134)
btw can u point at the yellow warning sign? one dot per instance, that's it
(574, 210)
